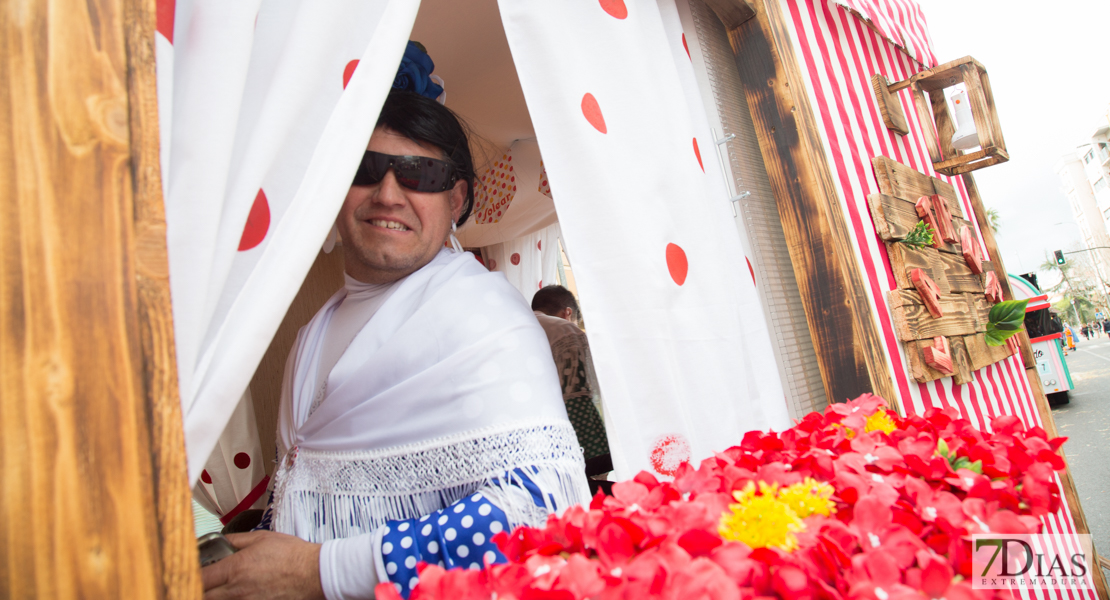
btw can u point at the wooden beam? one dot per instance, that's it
(981, 354)
(889, 106)
(170, 481)
(732, 13)
(847, 342)
(96, 501)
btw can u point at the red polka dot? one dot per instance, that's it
(539, 245)
(515, 258)
(686, 47)
(164, 11)
(592, 111)
(669, 453)
(697, 153)
(205, 477)
(750, 269)
(676, 263)
(615, 8)
(242, 460)
(492, 265)
(539, 286)
(348, 71)
(258, 223)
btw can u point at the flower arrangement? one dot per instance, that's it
(855, 503)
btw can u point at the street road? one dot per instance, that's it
(1086, 423)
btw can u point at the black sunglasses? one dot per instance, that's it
(417, 173)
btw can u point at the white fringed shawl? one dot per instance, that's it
(448, 387)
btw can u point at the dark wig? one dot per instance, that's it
(425, 120)
(552, 299)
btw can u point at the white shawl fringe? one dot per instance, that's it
(330, 495)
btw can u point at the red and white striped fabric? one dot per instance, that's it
(838, 54)
(900, 21)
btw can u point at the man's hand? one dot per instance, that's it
(267, 565)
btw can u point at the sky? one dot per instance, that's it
(1048, 71)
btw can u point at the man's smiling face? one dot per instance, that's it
(390, 231)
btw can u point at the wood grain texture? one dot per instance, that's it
(894, 218)
(898, 180)
(962, 360)
(848, 346)
(948, 270)
(982, 354)
(890, 107)
(732, 13)
(95, 501)
(912, 320)
(323, 279)
(176, 530)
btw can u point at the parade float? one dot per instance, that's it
(768, 206)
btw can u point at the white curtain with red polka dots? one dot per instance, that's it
(679, 340)
(528, 262)
(265, 111)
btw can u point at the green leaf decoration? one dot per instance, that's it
(942, 448)
(919, 237)
(1005, 319)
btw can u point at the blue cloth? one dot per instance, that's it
(455, 536)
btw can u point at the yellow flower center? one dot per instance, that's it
(880, 421)
(772, 517)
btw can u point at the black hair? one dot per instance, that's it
(552, 299)
(424, 120)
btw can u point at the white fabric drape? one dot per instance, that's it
(529, 262)
(268, 119)
(678, 338)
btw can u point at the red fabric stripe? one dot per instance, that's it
(838, 153)
(247, 502)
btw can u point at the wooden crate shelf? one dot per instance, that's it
(934, 109)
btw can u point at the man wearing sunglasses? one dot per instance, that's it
(421, 413)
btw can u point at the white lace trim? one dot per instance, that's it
(328, 495)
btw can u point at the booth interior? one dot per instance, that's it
(513, 228)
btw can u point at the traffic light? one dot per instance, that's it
(1060, 257)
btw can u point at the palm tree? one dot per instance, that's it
(994, 219)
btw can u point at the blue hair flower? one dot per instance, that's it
(415, 71)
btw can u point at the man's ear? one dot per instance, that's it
(458, 199)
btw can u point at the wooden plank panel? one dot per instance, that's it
(922, 372)
(95, 501)
(983, 355)
(894, 218)
(847, 341)
(961, 360)
(949, 271)
(948, 191)
(912, 320)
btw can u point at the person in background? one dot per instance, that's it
(557, 311)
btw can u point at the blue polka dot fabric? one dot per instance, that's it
(455, 536)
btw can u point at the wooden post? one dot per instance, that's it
(834, 294)
(1071, 496)
(96, 500)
